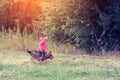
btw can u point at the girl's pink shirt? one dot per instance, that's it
(42, 44)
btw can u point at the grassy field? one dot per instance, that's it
(18, 66)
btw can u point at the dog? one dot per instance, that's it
(36, 55)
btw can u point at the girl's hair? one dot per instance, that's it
(43, 35)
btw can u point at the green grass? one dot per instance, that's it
(63, 67)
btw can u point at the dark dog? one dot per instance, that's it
(36, 55)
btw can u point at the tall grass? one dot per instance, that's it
(18, 42)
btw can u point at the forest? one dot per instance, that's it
(90, 25)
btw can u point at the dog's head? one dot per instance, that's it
(49, 55)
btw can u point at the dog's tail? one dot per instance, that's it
(27, 50)
(31, 53)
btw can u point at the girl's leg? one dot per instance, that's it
(43, 54)
(40, 53)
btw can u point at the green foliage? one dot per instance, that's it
(90, 25)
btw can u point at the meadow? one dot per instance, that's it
(68, 64)
(17, 65)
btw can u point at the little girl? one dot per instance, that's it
(42, 45)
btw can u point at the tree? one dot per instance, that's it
(19, 13)
(90, 24)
